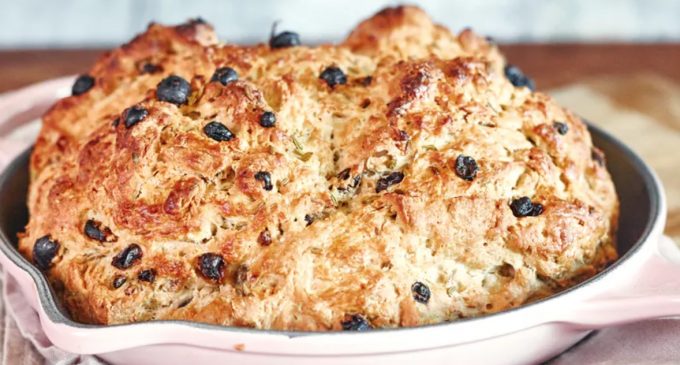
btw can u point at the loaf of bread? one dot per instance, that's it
(405, 176)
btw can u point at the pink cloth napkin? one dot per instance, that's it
(29, 327)
(650, 342)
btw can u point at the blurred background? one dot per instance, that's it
(97, 23)
(557, 41)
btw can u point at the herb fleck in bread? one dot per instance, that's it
(405, 176)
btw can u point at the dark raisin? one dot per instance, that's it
(344, 174)
(402, 136)
(267, 119)
(284, 39)
(266, 179)
(189, 26)
(94, 230)
(389, 180)
(356, 181)
(355, 322)
(517, 77)
(333, 76)
(597, 156)
(44, 251)
(128, 257)
(211, 266)
(118, 281)
(224, 75)
(523, 207)
(82, 85)
(265, 238)
(218, 131)
(309, 219)
(421, 293)
(506, 270)
(150, 68)
(561, 128)
(134, 115)
(366, 81)
(173, 89)
(148, 275)
(538, 210)
(466, 167)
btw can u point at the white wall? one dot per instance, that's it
(64, 23)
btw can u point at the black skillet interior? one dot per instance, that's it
(635, 186)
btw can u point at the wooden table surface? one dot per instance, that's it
(635, 78)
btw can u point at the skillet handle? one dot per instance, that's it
(654, 293)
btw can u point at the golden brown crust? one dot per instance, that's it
(332, 238)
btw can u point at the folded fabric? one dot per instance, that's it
(28, 324)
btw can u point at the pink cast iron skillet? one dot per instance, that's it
(643, 283)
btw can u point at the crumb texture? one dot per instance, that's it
(373, 183)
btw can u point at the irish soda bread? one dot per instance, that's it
(406, 176)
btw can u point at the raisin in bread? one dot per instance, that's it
(403, 177)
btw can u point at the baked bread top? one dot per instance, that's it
(405, 176)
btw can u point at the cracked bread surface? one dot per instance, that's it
(364, 201)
